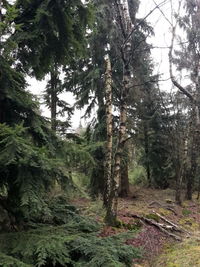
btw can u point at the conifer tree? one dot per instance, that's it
(188, 59)
(31, 155)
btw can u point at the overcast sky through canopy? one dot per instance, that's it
(160, 42)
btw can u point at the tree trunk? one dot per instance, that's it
(146, 145)
(198, 195)
(194, 153)
(126, 29)
(53, 100)
(191, 175)
(195, 101)
(0, 13)
(109, 183)
(124, 182)
(178, 185)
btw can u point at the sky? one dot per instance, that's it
(160, 41)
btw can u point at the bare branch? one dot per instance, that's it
(162, 13)
(137, 25)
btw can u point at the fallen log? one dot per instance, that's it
(176, 227)
(162, 227)
(167, 221)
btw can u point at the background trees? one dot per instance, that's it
(187, 58)
(160, 127)
(136, 133)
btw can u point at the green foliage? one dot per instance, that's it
(96, 208)
(79, 155)
(7, 261)
(57, 211)
(153, 216)
(75, 243)
(81, 180)
(108, 252)
(137, 175)
(27, 171)
(57, 29)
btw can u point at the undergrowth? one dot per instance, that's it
(73, 243)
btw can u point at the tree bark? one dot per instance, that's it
(198, 194)
(178, 186)
(194, 152)
(124, 181)
(53, 100)
(0, 13)
(126, 30)
(146, 145)
(110, 185)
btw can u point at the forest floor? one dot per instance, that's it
(160, 250)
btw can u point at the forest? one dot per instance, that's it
(123, 188)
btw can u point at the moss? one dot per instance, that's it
(164, 212)
(189, 223)
(170, 264)
(135, 225)
(186, 212)
(153, 216)
(183, 254)
(185, 204)
(169, 201)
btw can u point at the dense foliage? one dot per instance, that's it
(154, 135)
(74, 243)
